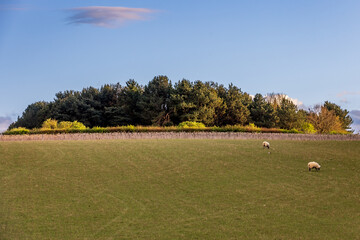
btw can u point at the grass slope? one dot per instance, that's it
(179, 189)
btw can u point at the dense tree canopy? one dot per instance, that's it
(344, 118)
(262, 112)
(162, 104)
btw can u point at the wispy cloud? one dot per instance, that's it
(344, 95)
(109, 17)
(12, 7)
(355, 115)
(347, 93)
(5, 123)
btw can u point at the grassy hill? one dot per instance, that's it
(179, 189)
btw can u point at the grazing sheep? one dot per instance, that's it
(266, 144)
(315, 165)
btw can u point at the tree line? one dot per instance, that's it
(161, 103)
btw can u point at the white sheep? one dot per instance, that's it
(266, 144)
(315, 165)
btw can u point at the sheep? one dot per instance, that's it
(266, 144)
(315, 165)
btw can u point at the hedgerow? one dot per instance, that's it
(51, 126)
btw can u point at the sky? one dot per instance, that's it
(306, 49)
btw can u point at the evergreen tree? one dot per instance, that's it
(33, 116)
(129, 112)
(90, 108)
(182, 103)
(262, 113)
(206, 101)
(154, 102)
(287, 114)
(235, 112)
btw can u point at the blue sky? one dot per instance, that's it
(306, 49)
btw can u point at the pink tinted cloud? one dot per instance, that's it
(14, 7)
(11, 9)
(108, 16)
(347, 93)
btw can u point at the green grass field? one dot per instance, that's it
(179, 189)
